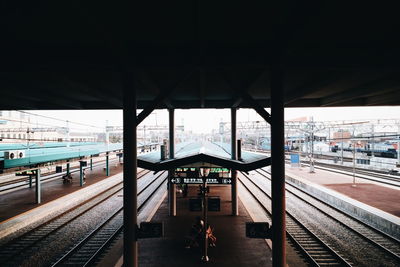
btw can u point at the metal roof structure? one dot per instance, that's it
(205, 154)
(198, 54)
(49, 154)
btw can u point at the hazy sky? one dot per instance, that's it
(202, 121)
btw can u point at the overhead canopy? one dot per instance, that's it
(205, 154)
(192, 54)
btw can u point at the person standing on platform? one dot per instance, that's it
(195, 235)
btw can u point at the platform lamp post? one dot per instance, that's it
(354, 161)
(398, 144)
(204, 173)
(312, 147)
(28, 134)
(341, 161)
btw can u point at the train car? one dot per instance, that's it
(384, 150)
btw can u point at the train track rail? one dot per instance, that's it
(88, 250)
(386, 243)
(316, 251)
(370, 175)
(12, 250)
(361, 173)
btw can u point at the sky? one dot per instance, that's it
(203, 121)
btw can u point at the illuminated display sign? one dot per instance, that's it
(186, 180)
(197, 169)
(214, 173)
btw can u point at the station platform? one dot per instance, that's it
(372, 203)
(22, 200)
(385, 198)
(233, 248)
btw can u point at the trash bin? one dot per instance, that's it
(58, 169)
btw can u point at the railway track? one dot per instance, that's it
(370, 175)
(12, 251)
(88, 250)
(387, 244)
(384, 178)
(314, 249)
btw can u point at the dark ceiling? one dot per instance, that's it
(192, 54)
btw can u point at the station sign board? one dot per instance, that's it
(295, 160)
(195, 204)
(258, 230)
(214, 204)
(186, 180)
(151, 230)
(58, 169)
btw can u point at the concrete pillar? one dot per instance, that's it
(130, 173)
(107, 165)
(278, 169)
(234, 192)
(38, 187)
(172, 187)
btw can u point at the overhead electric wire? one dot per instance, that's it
(44, 140)
(31, 123)
(53, 118)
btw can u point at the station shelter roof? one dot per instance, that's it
(50, 154)
(203, 154)
(198, 54)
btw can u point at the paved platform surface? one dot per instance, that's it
(381, 197)
(233, 248)
(19, 201)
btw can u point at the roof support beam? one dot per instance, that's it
(237, 102)
(243, 95)
(79, 87)
(162, 96)
(63, 102)
(309, 88)
(382, 99)
(367, 90)
(12, 101)
(168, 103)
(153, 105)
(257, 107)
